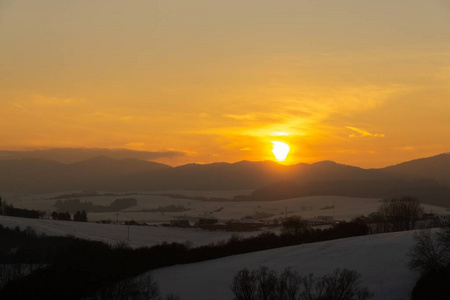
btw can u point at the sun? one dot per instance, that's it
(280, 150)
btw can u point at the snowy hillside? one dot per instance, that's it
(139, 236)
(342, 208)
(381, 259)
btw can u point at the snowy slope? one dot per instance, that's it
(381, 259)
(139, 236)
(345, 208)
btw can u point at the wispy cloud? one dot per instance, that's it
(363, 133)
(17, 105)
(407, 148)
(45, 100)
(240, 117)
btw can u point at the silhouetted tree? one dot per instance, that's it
(431, 252)
(288, 287)
(244, 285)
(341, 285)
(77, 216)
(266, 281)
(84, 216)
(400, 214)
(431, 256)
(80, 216)
(64, 216)
(293, 225)
(54, 215)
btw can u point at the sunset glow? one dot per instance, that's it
(358, 82)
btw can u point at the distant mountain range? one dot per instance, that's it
(427, 178)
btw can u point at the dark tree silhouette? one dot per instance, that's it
(400, 214)
(431, 256)
(294, 225)
(54, 215)
(244, 285)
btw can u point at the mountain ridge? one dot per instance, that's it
(264, 177)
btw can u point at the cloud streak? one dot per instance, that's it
(363, 133)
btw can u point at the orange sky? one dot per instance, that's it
(359, 82)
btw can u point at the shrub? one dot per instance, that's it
(141, 288)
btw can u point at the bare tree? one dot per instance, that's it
(288, 287)
(266, 283)
(293, 225)
(431, 251)
(341, 285)
(244, 285)
(400, 214)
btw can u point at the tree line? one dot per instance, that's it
(79, 216)
(9, 210)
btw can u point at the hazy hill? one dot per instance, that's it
(428, 177)
(36, 175)
(329, 170)
(435, 167)
(104, 166)
(216, 176)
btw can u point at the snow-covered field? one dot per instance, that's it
(135, 236)
(345, 208)
(381, 259)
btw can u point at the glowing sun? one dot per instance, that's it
(280, 150)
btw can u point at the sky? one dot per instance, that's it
(359, 82)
